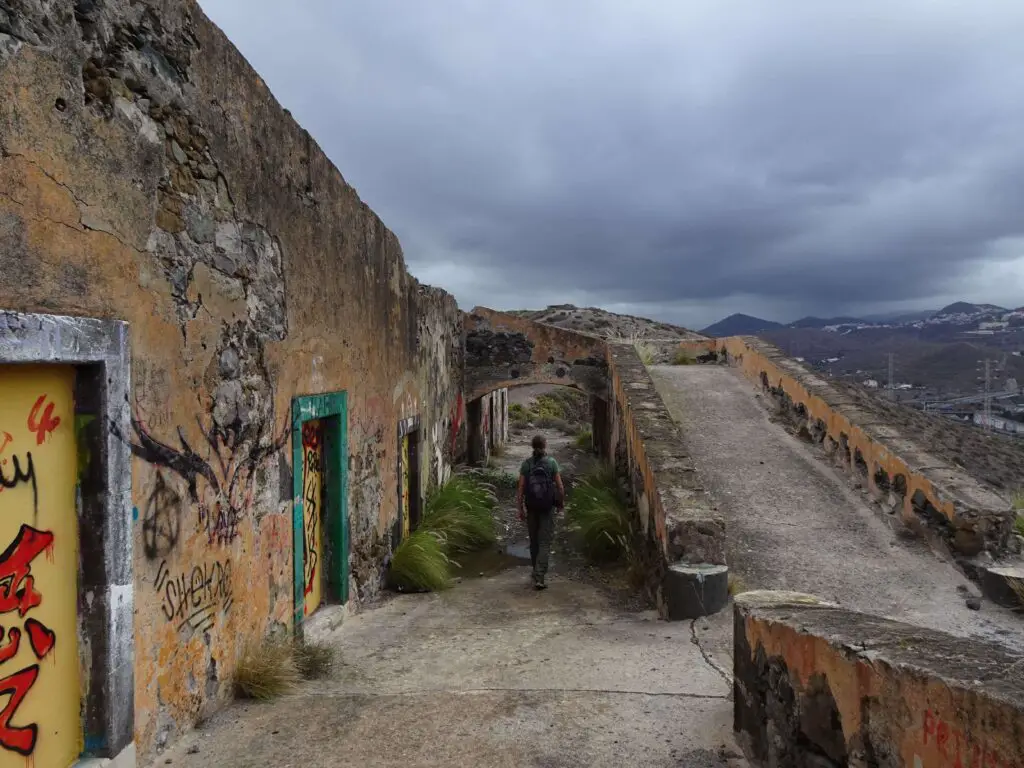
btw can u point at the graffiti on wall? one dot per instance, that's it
(193, 598)
(312, 512)
(955, 747)
(39, 716)
(219, 478)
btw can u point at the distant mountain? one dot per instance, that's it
(897, 318)
(966, 308)
(822, 322)
(740, 325)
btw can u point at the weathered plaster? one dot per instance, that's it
(816, 684)
(148, 175)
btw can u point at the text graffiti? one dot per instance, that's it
(18, 595)
(192, 599)
(42, 421)
(955, 748)
(19, 475)
(312, 444)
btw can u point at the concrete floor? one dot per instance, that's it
(794, 522)
(490, 673)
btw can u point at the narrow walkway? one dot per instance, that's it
(793, 522)
(493, 673)
(490, 674)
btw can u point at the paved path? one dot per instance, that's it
(490, 674)
(793, 522)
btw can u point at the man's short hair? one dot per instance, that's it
(539, 443)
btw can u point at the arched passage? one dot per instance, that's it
(487, 420)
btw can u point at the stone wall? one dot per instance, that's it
(816, 685)
(504, 350)
(147, 175)
(930, 495)
(678, 525)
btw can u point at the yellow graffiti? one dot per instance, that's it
(39, 670)
(405, 487)
(312, 512)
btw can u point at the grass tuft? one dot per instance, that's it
(646, 353)
(266, 670)
(314, 660)
(598, 511)
(495, 478)
(498, 450)
(585, 439)
(736, 585)
(461, 511)
(420, 564)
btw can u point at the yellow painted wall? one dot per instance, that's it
(39, 681)
(312, 511)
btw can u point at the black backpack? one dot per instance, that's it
(540, 487)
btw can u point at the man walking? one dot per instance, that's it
(539, 493)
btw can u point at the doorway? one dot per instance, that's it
(409, 488)
(320, 514)
(39, 661)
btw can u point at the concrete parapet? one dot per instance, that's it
(677, 520)
(816, 685)
(930, 495)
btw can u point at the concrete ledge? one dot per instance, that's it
(928, 493)
(816, 685)
(678, 522)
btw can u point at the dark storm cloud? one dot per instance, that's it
(801, 154)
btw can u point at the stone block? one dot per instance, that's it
(695, 590)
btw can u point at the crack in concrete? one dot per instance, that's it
(485, 690)
(707, 656)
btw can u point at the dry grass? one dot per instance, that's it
(314, 660)
(1018, 504)
(266, 670)
(736, 584)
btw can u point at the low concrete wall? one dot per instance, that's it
(677, 522)
(816, 685)
(930, 495)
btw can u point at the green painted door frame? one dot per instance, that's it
(332, 410)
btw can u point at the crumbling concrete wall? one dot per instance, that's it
(676, 517)
(930, 495)
(487, 426)
(148, 175)
(504, 350)
(816, 685)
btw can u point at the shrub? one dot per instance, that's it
(461, 511)
(313, 660)
(598, 511)
(646, 353)
(585, 439)
(682, 358)
(495, 478)
(266, 670)
(419, 564)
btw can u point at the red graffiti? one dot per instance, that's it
(457, 412)
(47, 424)
(311, 434)
(953, 747)
(18, 594)
(7, 440)
(41, 638)
(10, 650)
(20, 739)
(17, 587)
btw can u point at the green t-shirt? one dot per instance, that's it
(549, 462)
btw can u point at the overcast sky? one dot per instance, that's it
(681, 159)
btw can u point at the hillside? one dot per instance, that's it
(739, 325)
(609, 325)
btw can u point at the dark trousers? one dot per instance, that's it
(541, 526)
